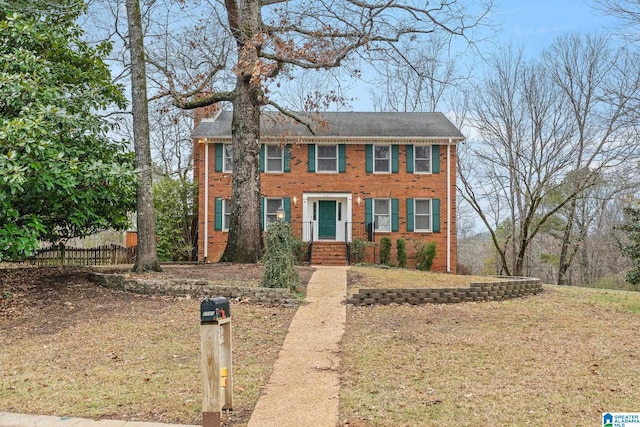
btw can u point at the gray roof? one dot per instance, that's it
(342, 124)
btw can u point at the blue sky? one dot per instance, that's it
(535, 24)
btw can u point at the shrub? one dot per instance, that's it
(358, 250)
(401, 248)
(385, 250)
(279, 257)
(425, 253)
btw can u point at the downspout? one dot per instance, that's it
(449, 207)
(206, 199)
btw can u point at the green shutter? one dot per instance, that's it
(435, 207)
(312, 157)
(409, 159)
(368, 211)
(435, 159)
(368, 156)
(262, 213)
(342, 158)
(286, 205)
(287, 157)
(410, 218)
(218, 217)
(219, 157)
(394, 158)
(394, 215)
(262, 156)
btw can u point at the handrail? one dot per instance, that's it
(310, 247)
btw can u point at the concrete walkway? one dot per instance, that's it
(23, 420)
(304, 386)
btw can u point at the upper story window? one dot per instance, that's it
(422, 159)
(382, 158)
(327, 158)
(422, 214)
(382, 214)
(227, 158)
(274, 158)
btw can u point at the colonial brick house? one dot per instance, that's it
(360, 176)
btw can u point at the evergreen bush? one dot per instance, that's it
(385, 250)
(358, 250)
(279, 257)
(401, 248)
(425, 253)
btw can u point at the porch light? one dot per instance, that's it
(358, 200)
(280, 213)
(295, 200)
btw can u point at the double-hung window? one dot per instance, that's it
(273, 158)
(327, 158)
(226, 214)
(227, 158)
(382, 214)
(422, 214)
(382, 158)
(422, 158)
(271, 207)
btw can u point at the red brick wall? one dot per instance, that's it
(401, 185)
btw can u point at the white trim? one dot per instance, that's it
(448, 208)
(415, 157)
(347, 214)
(206, 200)
(266, 158)
(415, 215)
(334, 140)
(337, 169)
(388, 159)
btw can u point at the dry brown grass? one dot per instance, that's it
(71, 348)
(394, 278)
(144, 365)
(560, 358)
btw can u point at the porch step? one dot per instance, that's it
(329, 253)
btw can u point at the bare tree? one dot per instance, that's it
(420, 77)
(521, 152)
(147, 256)
(600, 86)
(262, 41)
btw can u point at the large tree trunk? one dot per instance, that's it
(244, 242)
(147, 256)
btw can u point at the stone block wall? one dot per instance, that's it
(493, 291)
(197, 289)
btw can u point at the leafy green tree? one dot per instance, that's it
(60, 174)
(632, 227)
(174, 201)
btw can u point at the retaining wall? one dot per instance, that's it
(196, 288)
(494, 291)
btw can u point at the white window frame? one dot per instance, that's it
(318, 158)
(429, 150)
(279, 158)
(227, 158)
(416, 214)
(226, 214)
(377, 216)
(270, 217)
(387, 158)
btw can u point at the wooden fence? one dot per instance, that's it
(102, 255)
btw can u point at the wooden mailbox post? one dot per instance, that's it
(215, 346)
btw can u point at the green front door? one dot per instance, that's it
(327, 219)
